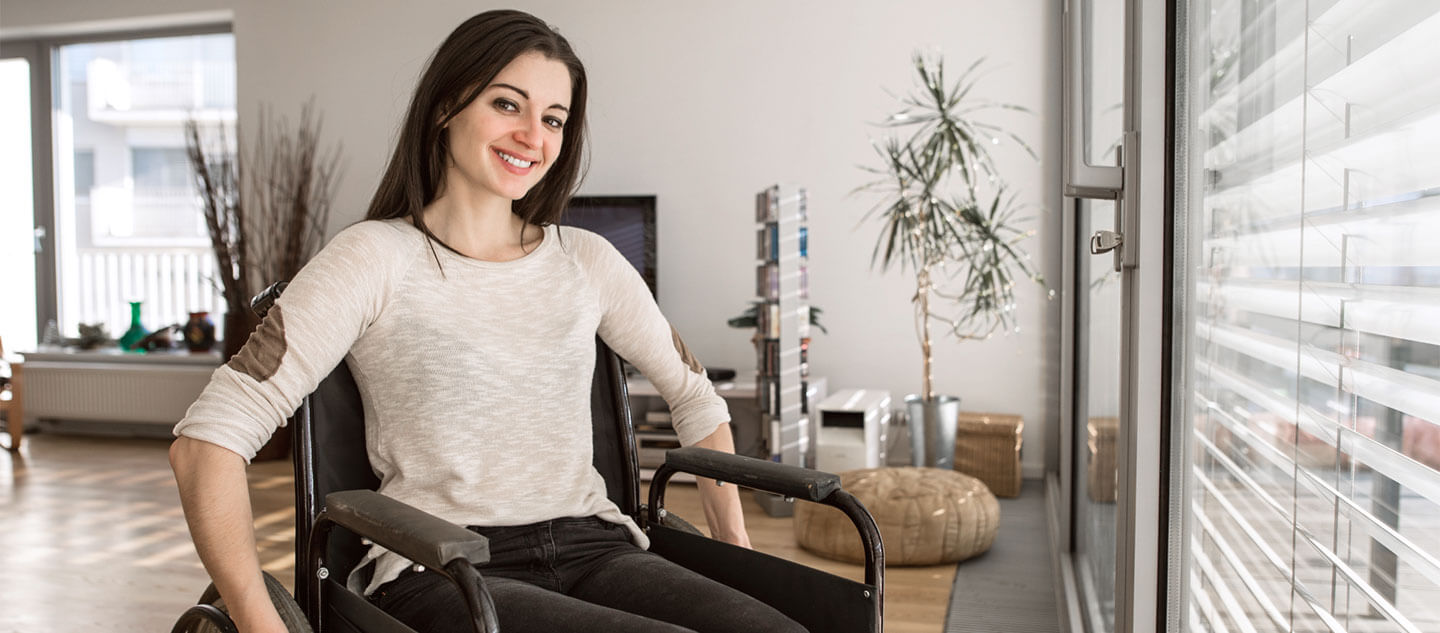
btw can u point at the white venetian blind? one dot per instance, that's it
(1313, 331)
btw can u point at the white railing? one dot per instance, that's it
(172, 282)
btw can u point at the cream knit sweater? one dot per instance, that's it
(475, 375)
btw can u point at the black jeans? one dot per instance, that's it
(579, 574)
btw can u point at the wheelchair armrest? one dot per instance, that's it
(781, 479)
(261, 303)
(410, 532)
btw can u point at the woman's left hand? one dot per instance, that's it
(723, 512)
(734, 537)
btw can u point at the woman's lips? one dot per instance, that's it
(511, 167)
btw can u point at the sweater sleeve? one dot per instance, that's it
(308, 331)
(632, 325)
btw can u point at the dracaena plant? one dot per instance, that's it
(945, 211)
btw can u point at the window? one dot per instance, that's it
(1314, 311)
(160, 171)
(84, 172)
(128, 224)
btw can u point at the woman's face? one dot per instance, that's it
(507, 138)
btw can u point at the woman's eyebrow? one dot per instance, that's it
(527, 96)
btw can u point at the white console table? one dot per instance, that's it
(108, 385)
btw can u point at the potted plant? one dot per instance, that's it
(947, 215)
(751, 318)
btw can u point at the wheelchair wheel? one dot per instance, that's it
(290, 613)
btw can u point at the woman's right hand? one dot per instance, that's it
(262, 618)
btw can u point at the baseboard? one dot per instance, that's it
(105, 429)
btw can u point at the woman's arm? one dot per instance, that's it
(216, 499)
(325, 309)
(722, 503)
(632, 325)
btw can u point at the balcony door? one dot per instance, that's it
(18, 240)
(1115, 176)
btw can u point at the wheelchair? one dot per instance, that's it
(338, 513)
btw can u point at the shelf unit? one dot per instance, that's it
(783, 320)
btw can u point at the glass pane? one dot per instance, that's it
(128, 223)
(17, 208)
(1103, 79)
(1097, 419)
(1313, 293)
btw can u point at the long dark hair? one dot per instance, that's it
(466, 62)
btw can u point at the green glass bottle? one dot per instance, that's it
(136, 331)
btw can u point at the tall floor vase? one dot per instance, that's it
(239, 325)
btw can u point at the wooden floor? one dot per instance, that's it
(94, 540)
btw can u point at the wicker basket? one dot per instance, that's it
(987, 447)
(1100, 471)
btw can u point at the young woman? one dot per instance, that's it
(468, 318)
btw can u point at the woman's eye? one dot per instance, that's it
(506, 105)
(554, 123)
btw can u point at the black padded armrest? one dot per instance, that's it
(781, 479)
(405, 530)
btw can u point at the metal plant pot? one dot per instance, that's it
(932, 430)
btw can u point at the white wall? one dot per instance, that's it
(703, 104)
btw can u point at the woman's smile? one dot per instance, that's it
(515, 163)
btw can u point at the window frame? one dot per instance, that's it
(41, 52)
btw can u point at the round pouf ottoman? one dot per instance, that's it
(927, 516)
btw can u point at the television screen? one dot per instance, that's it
(627, 221)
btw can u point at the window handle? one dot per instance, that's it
(1105, 241)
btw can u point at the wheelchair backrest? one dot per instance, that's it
(329, 451)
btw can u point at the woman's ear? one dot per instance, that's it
(442, 113)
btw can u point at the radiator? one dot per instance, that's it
(114, 391)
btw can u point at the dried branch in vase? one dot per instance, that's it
(266, 212)
(289, 193)
(217, 181)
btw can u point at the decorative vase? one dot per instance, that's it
(136, 331)
(200, 332)
(932, 430)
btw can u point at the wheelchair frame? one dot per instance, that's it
(454, 551)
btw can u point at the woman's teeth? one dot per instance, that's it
(515, 161)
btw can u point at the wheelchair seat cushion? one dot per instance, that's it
(927, 516)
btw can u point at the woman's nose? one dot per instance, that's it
(531, 133)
